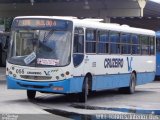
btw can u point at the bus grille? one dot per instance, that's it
(36, 77)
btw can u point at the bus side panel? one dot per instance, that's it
(72, 85)
(110, 81)
(158, 64)
(143, 78)
(76, 84)
(120, 80)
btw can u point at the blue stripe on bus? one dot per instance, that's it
(143, 78)
(120, 80)
(74, 85)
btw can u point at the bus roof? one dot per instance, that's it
(98, 25)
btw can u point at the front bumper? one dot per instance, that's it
(72, 85)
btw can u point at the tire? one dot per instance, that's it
(31, 94)
(132, 85)
(85, 90)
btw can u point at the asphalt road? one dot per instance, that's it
(14, 104)
(146, 100)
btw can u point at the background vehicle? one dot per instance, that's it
(68, 55)
(4, 43)
(158, 54)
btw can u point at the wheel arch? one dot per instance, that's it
(134, 72)
(90, 76)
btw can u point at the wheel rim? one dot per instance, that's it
(86, 89)
(133, 83)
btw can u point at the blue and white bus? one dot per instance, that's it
(68, 55)
(158, 54)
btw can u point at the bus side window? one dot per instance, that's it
(114, 42)
(90, 41)
(78, 47)
(144, 44)
(103, 43)
(126, 43)
(135, 44)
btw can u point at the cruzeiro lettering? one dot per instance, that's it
(113, 63)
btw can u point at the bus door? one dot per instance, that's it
(78, 51)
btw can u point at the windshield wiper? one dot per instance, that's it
(48, 35)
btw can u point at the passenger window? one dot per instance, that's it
(114, 42)
(135, 44)
(125, 43)
(125, 38)
(144, 44)
(126, 49)
(103, 43)
(135, 39)
(90, 41)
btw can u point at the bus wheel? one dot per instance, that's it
(83, 96)
(132, 85)
(31, 94)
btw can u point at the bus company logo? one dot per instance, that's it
(113, 63)
(49, 72)
(34, 73)
(129, 61)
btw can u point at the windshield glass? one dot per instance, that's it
(38, 47)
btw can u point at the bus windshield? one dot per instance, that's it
(40, 46)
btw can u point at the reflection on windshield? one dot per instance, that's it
(51, 47)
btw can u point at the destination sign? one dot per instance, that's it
(36, 22)
(41, 23)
